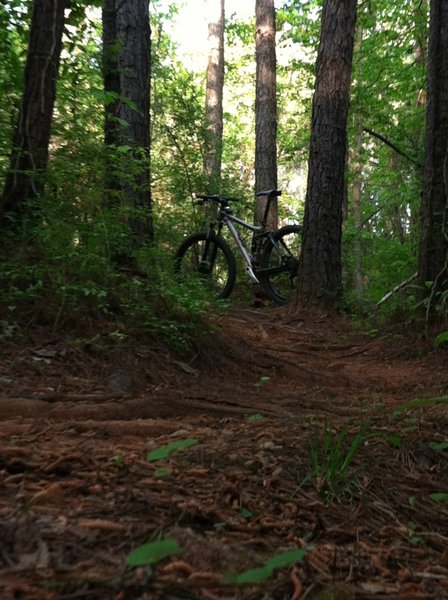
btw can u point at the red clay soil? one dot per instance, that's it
(308, 436)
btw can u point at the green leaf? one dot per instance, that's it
(255, 418)
(163, 473)
(250, 576)
(165, 451)
(409, 429)
(421, 402)
(442, 338)
(286, 559)
(130, 103)
(262, 381)
(124, 149)
(439, 445)
(152, 553)
(118, 460)
(439, 497)
(103, 96)
(245, 513)
(417, 539)
(394, 441)
(264, 572)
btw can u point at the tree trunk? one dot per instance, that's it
(319, 277)
(356, 209)
(265, 109)
(433, 254)
(397, 225)
(126, 64)
(111, 75)
(214, 96)
(29, 158)
(112, 89)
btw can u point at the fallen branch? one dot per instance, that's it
(386, 141)
(396, 289)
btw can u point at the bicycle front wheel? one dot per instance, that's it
(279, 264)
(208, 260)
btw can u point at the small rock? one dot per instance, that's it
(270, 446)
(186, 368)
(179, 433)
(119, 382)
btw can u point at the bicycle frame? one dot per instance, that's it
(228, 220)
(270, 254)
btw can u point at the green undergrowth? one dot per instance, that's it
(331, 454)
(84, 278)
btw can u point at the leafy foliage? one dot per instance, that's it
(388, 105)
(439, 497)
(73, 260)
(266, 571)
(441, 339)
(168, 449)
(14, 24)
(65, 264)
(152, 553)
(74, 267)
(332, 459)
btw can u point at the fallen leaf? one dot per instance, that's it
(52, 494)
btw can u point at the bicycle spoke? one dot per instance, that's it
(280, 264)
(206, 263)
(207, 257)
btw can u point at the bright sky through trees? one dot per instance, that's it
(190, 25)
(189, 29)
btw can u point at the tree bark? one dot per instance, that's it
(433, 252)
(29, 157)
(111, 75)
(319, 276)
(126, 64)
(214, 96)
(265, 109)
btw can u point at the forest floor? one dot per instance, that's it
(298, 434)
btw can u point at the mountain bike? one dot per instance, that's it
(272, 260)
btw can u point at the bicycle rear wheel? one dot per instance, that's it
(208, 259)
(279, 264)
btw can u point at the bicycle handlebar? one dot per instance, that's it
(224, 199)
(216, 198)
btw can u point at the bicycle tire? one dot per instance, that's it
(280, 261)
(210, 257)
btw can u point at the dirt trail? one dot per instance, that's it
(276, 406)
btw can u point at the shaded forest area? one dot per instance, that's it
(83, 207)
(158, 442)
